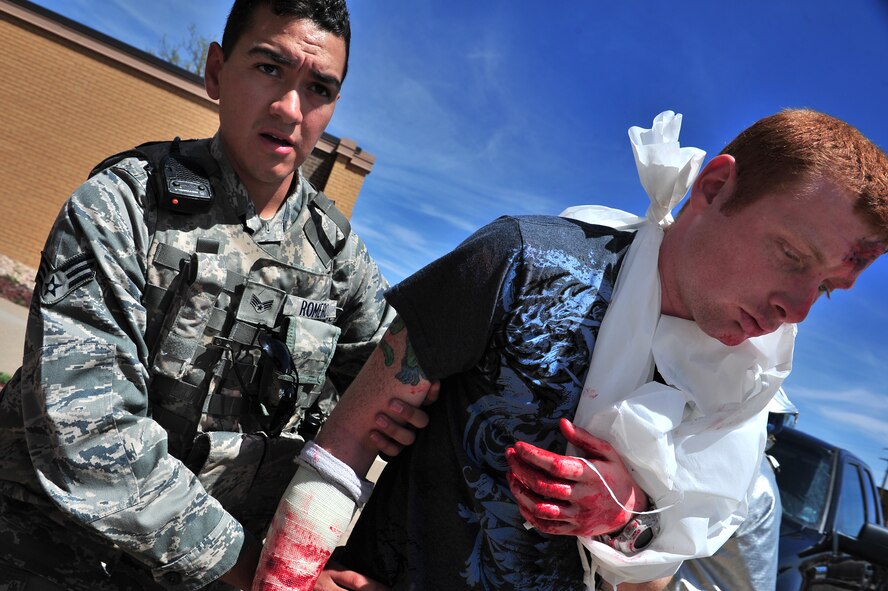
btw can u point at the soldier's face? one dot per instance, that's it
(277, 92)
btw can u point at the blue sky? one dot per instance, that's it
(478, 109)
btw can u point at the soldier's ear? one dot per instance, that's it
(215, 61)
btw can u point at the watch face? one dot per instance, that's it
(644, 538)
(635, 536)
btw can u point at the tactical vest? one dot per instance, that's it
(211, 291)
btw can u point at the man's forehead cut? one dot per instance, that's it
(864, 252)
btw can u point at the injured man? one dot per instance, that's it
(603, 378)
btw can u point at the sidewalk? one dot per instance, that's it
(12, 335)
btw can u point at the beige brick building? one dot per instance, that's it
(70, 97)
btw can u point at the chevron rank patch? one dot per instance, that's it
(57, 282)
(261, 306)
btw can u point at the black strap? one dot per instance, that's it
(186, 158)
(326, 250)
(326, 205)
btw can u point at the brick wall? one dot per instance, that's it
(342, 174)
(65, 109)
(71, 97)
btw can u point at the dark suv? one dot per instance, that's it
(832, 534)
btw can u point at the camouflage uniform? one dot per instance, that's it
(132, 440)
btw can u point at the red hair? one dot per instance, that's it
(796, 146)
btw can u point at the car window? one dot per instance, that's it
(803, 479)
(869, 491)
(850, 516)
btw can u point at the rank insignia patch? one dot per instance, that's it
(259, 305)
(57, 282)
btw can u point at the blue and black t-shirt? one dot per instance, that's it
(507, 322)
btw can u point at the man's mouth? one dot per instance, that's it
(277, 140)
(750, 325)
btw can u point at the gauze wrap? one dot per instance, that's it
(695, 447)
(312, 515)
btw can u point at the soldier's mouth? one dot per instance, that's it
(277, 140)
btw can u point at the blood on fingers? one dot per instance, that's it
(565, 467)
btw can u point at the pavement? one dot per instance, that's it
(12, 335)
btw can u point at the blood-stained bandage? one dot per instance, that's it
(310, 519)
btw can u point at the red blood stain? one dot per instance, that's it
(591, 512)
(566, 467)
(560, 466)
(294, 556)
(863, 253)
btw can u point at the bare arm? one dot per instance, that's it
(314, 511)
(391, 372)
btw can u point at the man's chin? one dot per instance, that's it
(729, 338)
(276, 175)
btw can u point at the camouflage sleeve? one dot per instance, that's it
(364, 316)
(96, 453)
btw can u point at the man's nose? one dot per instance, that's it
(288, 107)
(793, 305)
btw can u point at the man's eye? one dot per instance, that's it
(791, 254)
(268, 69)
(321, 90)
(824, 289)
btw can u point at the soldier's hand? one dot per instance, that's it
(336, 578)
(563, 495)
(396, 427)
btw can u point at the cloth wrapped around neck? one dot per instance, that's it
(694, 445)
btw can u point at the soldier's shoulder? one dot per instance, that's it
(125, 174)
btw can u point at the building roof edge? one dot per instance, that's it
(106, 46)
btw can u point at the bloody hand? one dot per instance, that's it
(562, 495)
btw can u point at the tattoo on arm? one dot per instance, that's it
(388, 353)
(397, 325)
(410, 373)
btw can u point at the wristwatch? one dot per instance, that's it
(635, 536)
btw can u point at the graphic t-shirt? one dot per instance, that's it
(507, 322)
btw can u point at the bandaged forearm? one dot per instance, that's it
(310, 519)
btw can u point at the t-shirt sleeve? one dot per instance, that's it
(449, 305)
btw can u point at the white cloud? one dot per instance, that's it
(855, 419)
(875, 426)
(156, 20)
(861, 398)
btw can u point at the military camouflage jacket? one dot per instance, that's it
(142, 389)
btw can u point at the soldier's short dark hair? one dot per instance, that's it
(329, 15)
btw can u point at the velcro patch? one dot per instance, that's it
(57, 282)
(324, 310)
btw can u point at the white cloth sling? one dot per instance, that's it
(694, 446)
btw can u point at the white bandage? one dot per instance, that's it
(306, 528)
(336, 472)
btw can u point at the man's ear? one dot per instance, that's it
(215, 61)
(716, 182)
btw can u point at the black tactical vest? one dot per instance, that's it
(211, 292)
